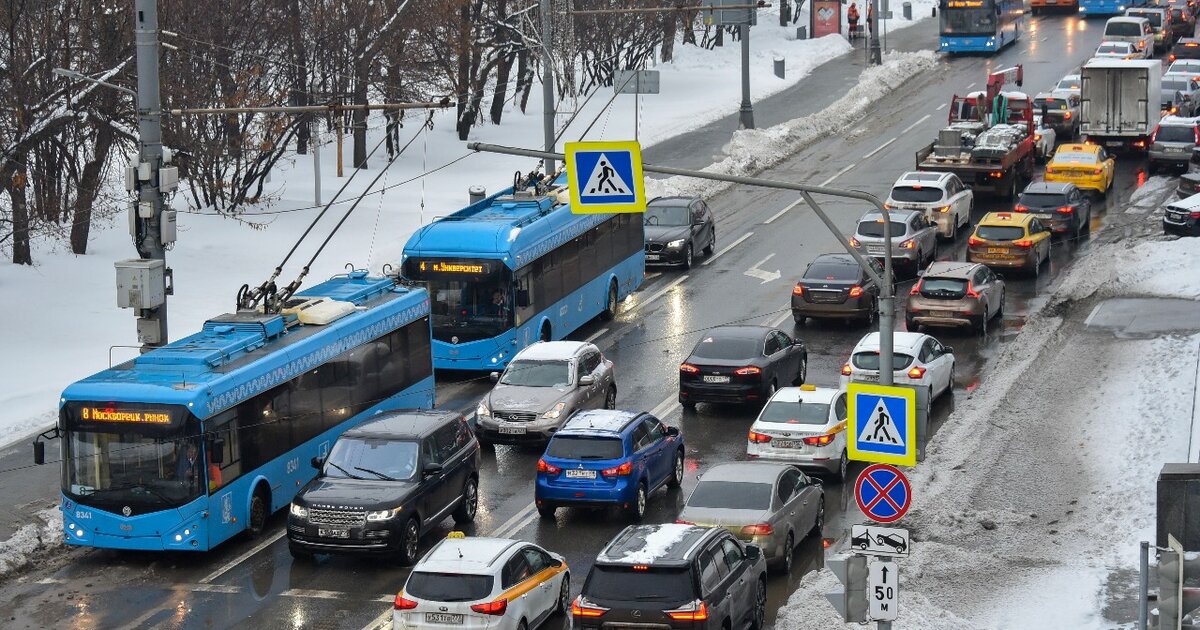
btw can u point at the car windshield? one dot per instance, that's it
(714, 347)
(580, 447)
(731, 495)
(969, 21)
(1173, 133)
(799, 412)
(917, 194)
(372, 458)
(1123, 29)
(526, 373)
(1154, 17)
(1042, 200)
(943, 287)
(999, 232)
(870, 360)
(1050, 104)
(671, 586)
(874, 228)
(1068, 83)
(1076, 157)
(667, 215)
(1184, 67)
(1180, 85)
(448, 587)
(1111, 48)
(832, 271)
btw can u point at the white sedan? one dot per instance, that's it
(1118, 50)
(917, 359)
(483, 584)
(805, 426)
(1044, 139)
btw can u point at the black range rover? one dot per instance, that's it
(385, 483)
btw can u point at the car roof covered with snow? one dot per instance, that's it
(666, 545)
(552, 350)
(598, 421)
(924, 178)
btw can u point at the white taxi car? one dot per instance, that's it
(917, 359)
(804, 426)
(483, 584)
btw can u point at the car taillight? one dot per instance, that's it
(971, 292)
(856, 291)
(618, 471)
(846, 369)
(1065, 210)
(797, 290)
(1066, 115)
(758, 438)
(1020, 208)
(492, 608)
(1194, 215)
(916, 288)
(854, 242)
(1023, 242)
(1050, 170)
(944, 209)
(1037, 137)
(688, 368)
(578, 609)
(551, 469)
(1196, 134)
(680, 521)
(1154, 136)
(916, 372)
(909, 244)
(819, 440)
(749, 370)
(888, 206)
(696, 611)
(972, 241)
(762, 529)
(403, 603)
(1171, 57)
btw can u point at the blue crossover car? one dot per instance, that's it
(604, 457)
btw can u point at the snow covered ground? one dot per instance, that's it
(62, 321)
(1037, 490)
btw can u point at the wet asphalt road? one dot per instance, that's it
(256, 583)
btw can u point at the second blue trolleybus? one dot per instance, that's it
(972, 26)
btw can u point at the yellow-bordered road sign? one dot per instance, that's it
(882, 424)
(605, 177)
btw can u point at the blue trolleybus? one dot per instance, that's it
(980, 25)
(1103, 7)
(193, 442)
(516, 268)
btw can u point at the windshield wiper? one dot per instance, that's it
(346, 472)
(376, 473)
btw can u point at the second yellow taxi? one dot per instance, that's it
(1010, 240)
(1088, 166)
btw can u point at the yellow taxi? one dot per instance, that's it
(1088, 166)
(1010, 239)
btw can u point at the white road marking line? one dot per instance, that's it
(663, 407)
(215, 588)
(50, 580)
(657, 294)
(651, 275)
(142, 618)
(940, 107)
(380, 621)
(837, 175)
(910, 127)
(596, 335)
(879, 148)
(784, 211)
(727, 248)
(672, 408)
(319, 594)
(513, 521)
(242, 558)
(779, 320)
(970, 86)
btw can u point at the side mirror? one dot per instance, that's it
(753, 553)
(317, 462)
(495, 376)
(431, 469)
(586, 380)
(948, 349)
(216, 451)
(673, 431)
(39, 452)
(556, 563)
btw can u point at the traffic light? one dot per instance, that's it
(850, 600)
(1175, 601)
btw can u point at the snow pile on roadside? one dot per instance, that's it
(753, 150)
(1165, 266)
(31, 540)
(1149, 195)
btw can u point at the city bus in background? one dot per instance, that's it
(519, 267)
(1103, 7)
(968, 26)
(193, 442)
(1056, 6)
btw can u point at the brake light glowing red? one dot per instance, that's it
(549, 469)
(916, 372)
(1067, 115)
(758, 438)
(749, 370)
(846, 369)
(1023, 242)
(403, 603)
(854, 242)
(819, 440)
(762, 529)
(856, 291)
(697, 612)
(618, 471)
(492, 608)
(1020, 208)
(579, 610)
(972, 241)
(797, 290)
(971, 292)
(916, 287)
(1065, 210)
(688, 368)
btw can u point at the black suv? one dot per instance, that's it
(385, 483)
(677, 229)
(675, 576)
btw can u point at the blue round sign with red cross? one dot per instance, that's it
(883, 493)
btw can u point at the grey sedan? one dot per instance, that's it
(770, 505)
(543, 385)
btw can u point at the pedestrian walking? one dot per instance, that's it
(852, 20)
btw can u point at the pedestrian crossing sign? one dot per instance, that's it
(882, 424)
(605, 177)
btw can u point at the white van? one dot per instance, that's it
(1135, 30)
(1160, 23)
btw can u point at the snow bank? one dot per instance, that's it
(34, 539)
(753, 150)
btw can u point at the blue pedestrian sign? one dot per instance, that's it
(605, 177)
(882, 424)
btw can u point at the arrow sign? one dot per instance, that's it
(765, 276)
(883, 590)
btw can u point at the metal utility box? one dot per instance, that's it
(1179, 505)
(140, 283)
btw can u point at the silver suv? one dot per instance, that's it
(1172, 142)
(914, 238)
(541, 387)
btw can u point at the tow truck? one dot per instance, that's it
(991, 139)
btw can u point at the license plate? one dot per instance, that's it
(444, 618)
(510, 430)
(1174, 150)
(786, 443)
(878, 251)
(333, 533)
(1044, 217)
(1175, 216)
(872, 378)
(575, 473)
(997, 250)
(716, 379)
(1113, 143)
(653, 257)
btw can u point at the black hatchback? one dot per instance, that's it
(385, 483)
(1062, 207)
(741, 364)
(834, 286)
(677, 230)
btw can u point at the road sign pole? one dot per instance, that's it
(150, 200)
(747, 111)
(886, 309)
(547, 85)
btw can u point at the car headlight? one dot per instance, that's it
(482, 409)
(555, 411)
(299, 511)
(382, 515)
(677, 243)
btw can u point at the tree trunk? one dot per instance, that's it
(463, 84)
(14, 184)
(524, 78)
(89, 188)
(359, 120)
(299, 72)
(669, 28)
(503, 36)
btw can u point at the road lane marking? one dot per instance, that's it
(940, 107)
(50, 580)
(380, 621)
(837, 175)
(763, 274)
(727, 248)
(910, 127)
(596, 335)
(880, 148)
(245, 556)
(665, 406)
(784, 211)
(319, 594)
(661, 292)
(142, 618)
(228, 589)
(971, 86)
(514, 521)
(782, 316)
(651, 275)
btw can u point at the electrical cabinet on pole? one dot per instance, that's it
(850, 599)
(1176, 601)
